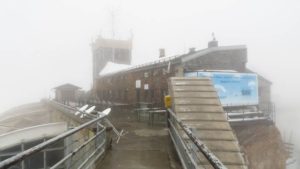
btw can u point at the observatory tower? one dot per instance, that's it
(110, 50)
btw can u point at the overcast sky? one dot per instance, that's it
(46, 43)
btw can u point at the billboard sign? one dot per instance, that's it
(234, 89)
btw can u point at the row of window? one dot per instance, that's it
(122, 95)
(146, 75)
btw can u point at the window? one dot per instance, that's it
(146, 74)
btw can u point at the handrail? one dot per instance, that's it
(19, 157)
(213, 160)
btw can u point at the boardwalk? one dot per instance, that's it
(143, 147)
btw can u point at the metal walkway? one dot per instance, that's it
(142, 147)
(196, 104)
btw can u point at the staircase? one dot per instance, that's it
(196, 103)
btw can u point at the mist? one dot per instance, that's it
(47, 43)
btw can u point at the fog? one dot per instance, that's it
(46, 43)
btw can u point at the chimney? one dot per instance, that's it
(192, 50)
(161, 53)
(213, 43)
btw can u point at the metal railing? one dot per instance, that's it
(250, 113)
(82, 146)
(186, 153)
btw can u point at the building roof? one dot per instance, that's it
(259, 76)
(31, 134)
(67, 86)
(111, 68)
(173, 59)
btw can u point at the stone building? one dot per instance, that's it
(66, 93)
(148, 82)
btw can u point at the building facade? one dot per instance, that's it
(66, 93)
(110, 50)
(148, 82)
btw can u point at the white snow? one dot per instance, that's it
(111, 67)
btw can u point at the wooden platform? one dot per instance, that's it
(196, 103)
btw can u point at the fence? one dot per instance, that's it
(79, 147)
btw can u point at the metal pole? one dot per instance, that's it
(45, 156)
(213, 160)
(22, 163)
(15, 159)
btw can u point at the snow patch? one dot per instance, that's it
(111, 67)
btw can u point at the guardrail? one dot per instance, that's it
(82, 146)
(187, 154)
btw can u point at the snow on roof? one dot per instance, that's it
(111, 67)
(31, 133)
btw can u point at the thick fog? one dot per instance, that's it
(46, 43)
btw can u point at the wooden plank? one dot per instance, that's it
(189, 79)
(228, 166)
(196, 88)
(202, 116)
(195, 95)
(222, 145)
(219, 146)
(211, 135)
(199, 108)
(191, 83)
(208, 125)
(196, 101)
(228, 158)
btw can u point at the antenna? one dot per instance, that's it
(213, 36)
(113, 17)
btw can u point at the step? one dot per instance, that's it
(205, 125)
(196, 101)
(195, 95)
(219, 146)
(202, 116)
(211, 135)
(227, 158)
(228, 166)
(198, 108)
(196, 88)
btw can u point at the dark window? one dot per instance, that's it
(152, 94)
(126, 94)
(35, 161)
(54, 156)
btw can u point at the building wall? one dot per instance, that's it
(104, 50)
(220, 60)
(65, 96)
(264, 91)
(120, 87)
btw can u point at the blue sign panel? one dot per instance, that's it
(234, 89)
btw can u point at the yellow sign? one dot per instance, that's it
(168, 101)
